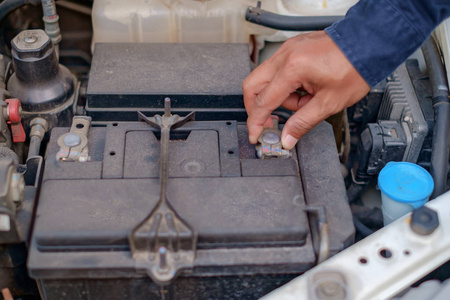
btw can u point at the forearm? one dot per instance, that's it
(378, 35)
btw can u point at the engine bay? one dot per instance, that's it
(126, 171)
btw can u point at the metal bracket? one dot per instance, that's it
(323, 231)
(269, 143)
(163, 243)
(74, 144)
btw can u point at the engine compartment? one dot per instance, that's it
(80, 170)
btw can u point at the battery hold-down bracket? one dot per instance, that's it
(163, 243)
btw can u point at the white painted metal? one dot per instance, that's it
(369, 275)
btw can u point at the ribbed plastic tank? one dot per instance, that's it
(194, 21)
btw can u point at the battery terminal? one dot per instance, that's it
(269, 144)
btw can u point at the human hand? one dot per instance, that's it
(309, 62)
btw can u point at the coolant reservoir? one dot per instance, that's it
(314, 7)
(165, 21)
(131, 21)
(213, 21)
(194, 21)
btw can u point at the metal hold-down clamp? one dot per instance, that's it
(269, 143)
(74, 144)
(163, 243)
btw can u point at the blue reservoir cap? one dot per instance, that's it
(405, 182)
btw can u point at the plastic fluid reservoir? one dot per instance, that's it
(169, 21)
(195, 21)
(315, 7)
(404, 187)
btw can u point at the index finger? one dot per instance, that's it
(270, 98)
(257, 81)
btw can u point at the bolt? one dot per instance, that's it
(30, 39)
(271, 138)
(40, 121)
(424, 221)
(72, 140)
(259, 152)
(167, 113)
(162, 251)
(286, 153)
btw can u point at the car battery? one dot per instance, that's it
(253, 219)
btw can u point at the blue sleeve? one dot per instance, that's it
(378, 35)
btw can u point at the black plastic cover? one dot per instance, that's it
(200, 76)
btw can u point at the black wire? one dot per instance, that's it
(441, 105)
(265, 18)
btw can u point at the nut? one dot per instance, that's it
(39, 127)
(424, 221)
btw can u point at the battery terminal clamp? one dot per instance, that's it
(269, 144)
(74, 144)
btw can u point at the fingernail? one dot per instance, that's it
(289, 142)
(252, 139)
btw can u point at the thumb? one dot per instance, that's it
(308, 116)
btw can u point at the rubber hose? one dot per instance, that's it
(361, 182)
(441, 106)
(8, 6)
(355, 191)
(35, 146)
(6, 152)
(268, 19)
(361, 228)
